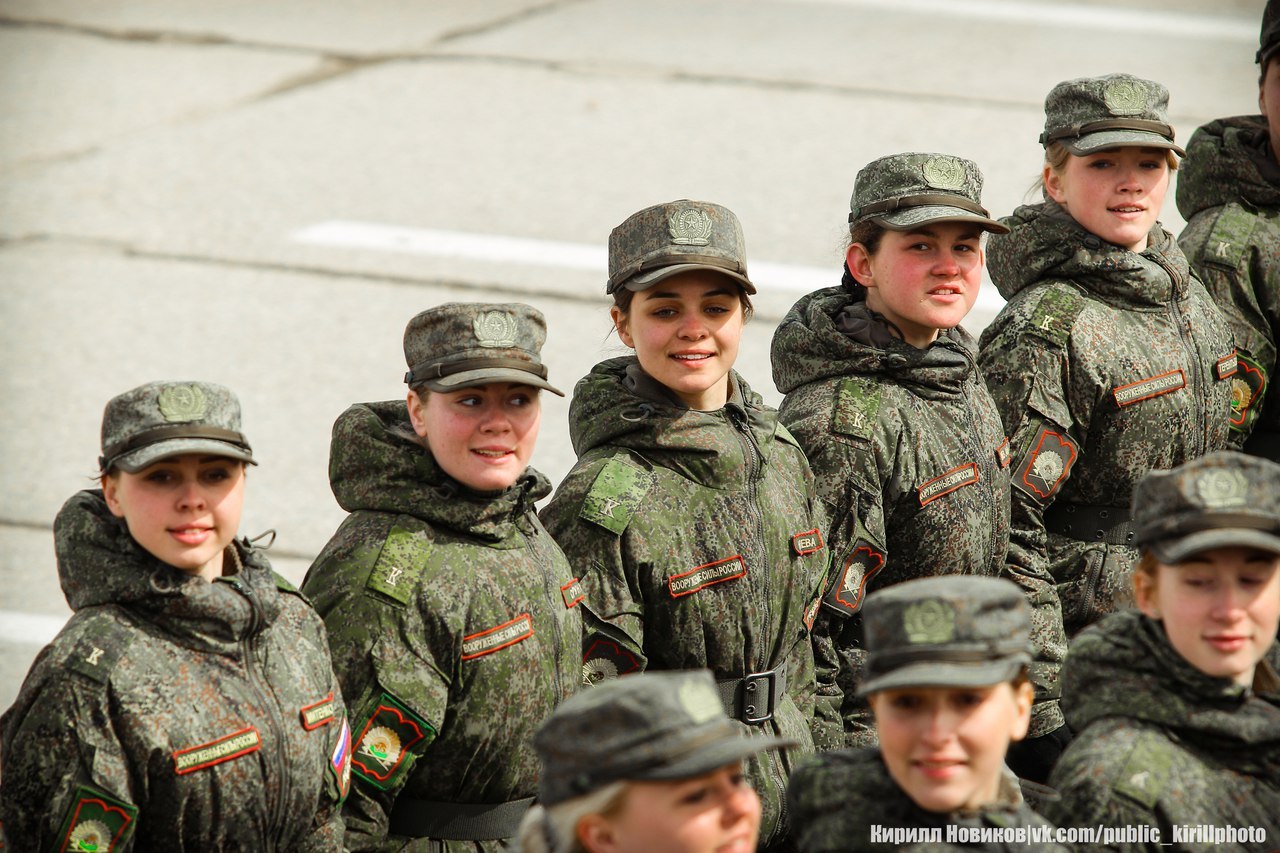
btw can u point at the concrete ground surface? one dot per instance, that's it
(262, 194)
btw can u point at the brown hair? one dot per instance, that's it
(623, 297)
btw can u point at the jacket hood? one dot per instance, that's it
(618, 405)
(811, 344)
(1124, 666)
(1044, 242)
(99, 563)
(376, 463)
(1229, 160)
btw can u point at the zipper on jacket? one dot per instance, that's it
(1183, 321)
(741, 424)
(554, 594)
(988, 468)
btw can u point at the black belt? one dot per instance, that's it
(1087, 523)
(457, 821)
(753, 698)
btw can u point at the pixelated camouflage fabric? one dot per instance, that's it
(727, 488)
(933, 419)
(1158, 742)
(836, 797)
(155, 662)
(1229, 193)
(468, 564)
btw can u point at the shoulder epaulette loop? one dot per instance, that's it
(616, 493)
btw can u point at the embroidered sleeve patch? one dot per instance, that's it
(234, 745)
(709, 574)
(340, 761)
(1229, 240)
(96, 822)
(1055, 314)
(385, 742)
(1145, 389)
(497, 638)
(96, 655)
(616, 495)
(605, 659)
(1246, 389)
(400, 562)
(811, 612)
(862, 564)
(1048, 464)
(931, 490)
(317, 714)
(1003, 455)
(856, 407)
(1227, 366)
(572, 593)
(809, 542)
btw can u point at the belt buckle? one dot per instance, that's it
(758, 691)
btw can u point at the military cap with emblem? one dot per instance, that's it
(163, 419)
(1269, 37)
(464, 344)
(1220, 500)
(1092, 114)
(905, 191)
(947, 631)
(647, 726)
(678, 236)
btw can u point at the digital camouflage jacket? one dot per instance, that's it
(839, 797)
(454, 629)
(910, 459)
(1229, 192)
(696, 537)
(1160, 743)
(171, 713)
(1104, 364)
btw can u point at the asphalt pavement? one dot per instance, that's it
(262, 194)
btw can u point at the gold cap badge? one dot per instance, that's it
(181, 403)
(690, 226)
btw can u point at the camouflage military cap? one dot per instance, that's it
(1220, 500)
(948, 631)
(667, 239)
(1092, 114)
(904, 191)
(164, 419)
(648, 726)
(464, 344)
(1269, 37)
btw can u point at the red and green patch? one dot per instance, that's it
(381, 753)
(96, 822)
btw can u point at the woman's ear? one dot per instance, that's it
(1053, 185)
(417, 413)
(111, 491)
(1023, 695)
(859, 262)
(621, 326)
(596, 833)
(1144, 593)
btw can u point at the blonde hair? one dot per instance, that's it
(554, 829)
(1055, 157)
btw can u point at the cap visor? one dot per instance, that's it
(1173, 551)
(646, 280)
(488, 376)
(135, 460)
(714, 756)
(1094, 142)
(937, 674)
(911, 217)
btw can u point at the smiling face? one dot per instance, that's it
(183, 510)
(1116, 194)
(1220, 608)
(483, 437)
(686, 330)
(945, 746)
(922, 280)
(718, 812)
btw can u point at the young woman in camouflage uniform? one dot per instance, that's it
(689, 514)
(1109, 359)
(1229, 192)
(884, 394)
(452, 614)
(189, 703)
(1176, 712)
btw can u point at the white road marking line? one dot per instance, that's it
(1143, 22)
(29, 629)
(549, 253)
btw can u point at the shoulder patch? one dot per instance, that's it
(806, 543)
(1146, 772)
(604, 659)
(856, 408)
(318, 714)
(616, 494)
(572, 593)
(96, 821)
(845, 595)
(399, 565)
(340, 762)
(1055, 313)
(1228, 241)
(1247, 386)
(96, 653)
(380, 752)
(1047, 464)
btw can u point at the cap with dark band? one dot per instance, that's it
(160, 420)
(1093, 114)
(464, 344)
(905, 191)
(677, 236)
